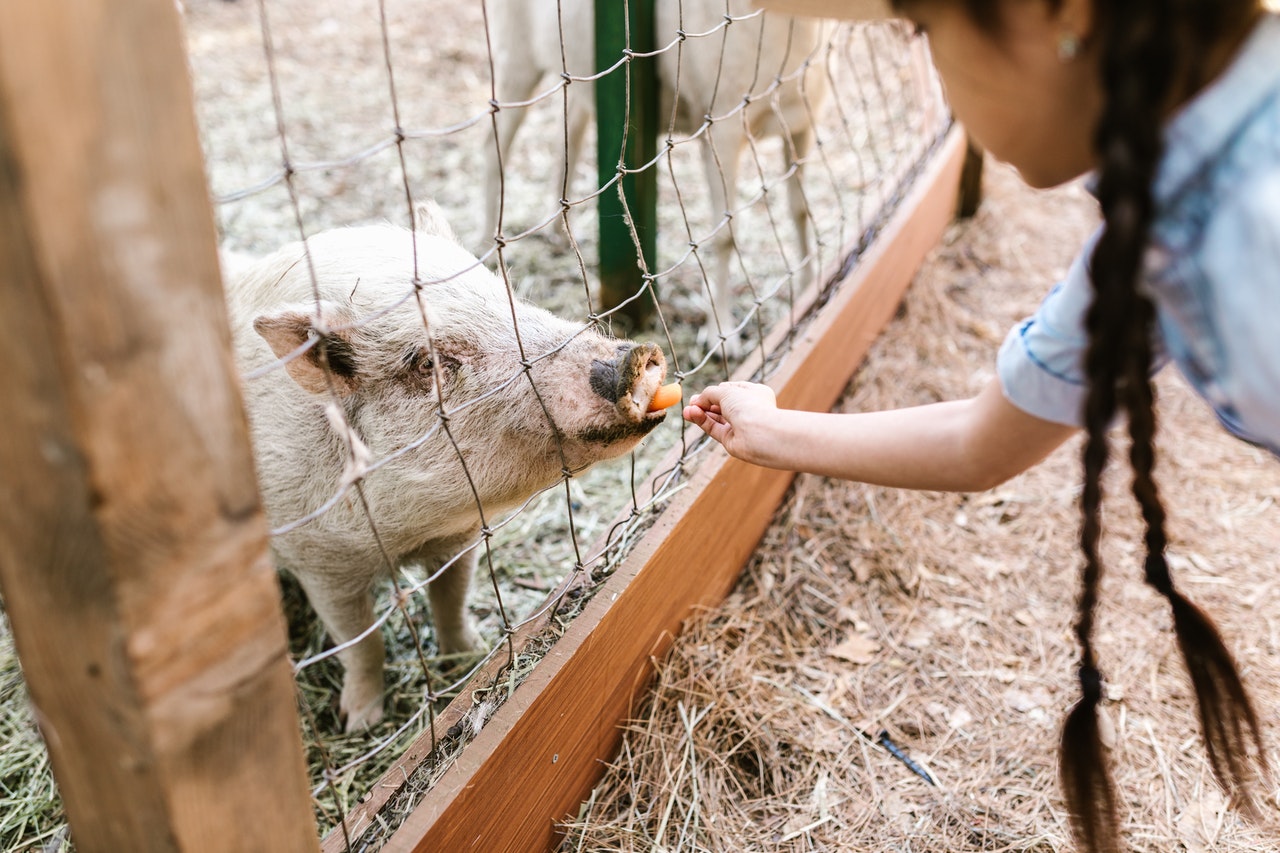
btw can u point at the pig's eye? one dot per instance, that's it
(420, 362)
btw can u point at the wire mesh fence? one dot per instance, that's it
(416, 419)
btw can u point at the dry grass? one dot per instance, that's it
(944, 621)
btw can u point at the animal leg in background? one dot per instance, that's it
(345, 607)
(448, 593)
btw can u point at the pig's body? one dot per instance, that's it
(378, 404)
(710, 82)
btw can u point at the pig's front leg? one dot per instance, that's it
(448, 593)
(345, 606)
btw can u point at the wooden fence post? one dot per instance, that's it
(132, 540)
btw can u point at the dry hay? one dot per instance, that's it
(945, 621)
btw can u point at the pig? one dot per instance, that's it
(527, 49)
(370, 363)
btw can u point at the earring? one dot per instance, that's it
(1068, 47)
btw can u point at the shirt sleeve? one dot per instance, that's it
(1041, 362)
(1241, 259)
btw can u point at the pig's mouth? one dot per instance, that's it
(629, 382)
(622, 433)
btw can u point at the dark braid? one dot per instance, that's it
(1136, 37)
(1230, 724)
(1138, 70)
(1151, 52)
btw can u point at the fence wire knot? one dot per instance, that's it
(359, 457)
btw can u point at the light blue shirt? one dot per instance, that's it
(1213, 267)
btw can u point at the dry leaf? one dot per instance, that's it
(1106, 729)
(919, 638)
(896, 810)
(991, 568)
(856, 649)
(945, 619)
(1201, 822)
(1024, 702)
(959, 718)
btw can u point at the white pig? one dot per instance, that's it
(395, 359)
(527, 50)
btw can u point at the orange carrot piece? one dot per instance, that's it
(665, 397)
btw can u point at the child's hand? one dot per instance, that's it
(737, 415)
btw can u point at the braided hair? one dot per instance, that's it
(1140, 43)
(1143, 46)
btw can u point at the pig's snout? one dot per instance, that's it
(630, 379)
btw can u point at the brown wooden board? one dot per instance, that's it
(538, 757)
(133, 557)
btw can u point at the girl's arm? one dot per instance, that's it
(958, 446)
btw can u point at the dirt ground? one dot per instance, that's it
(945, 621)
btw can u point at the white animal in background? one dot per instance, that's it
(527, 50)
(379, 401)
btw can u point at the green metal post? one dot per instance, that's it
(627, 124)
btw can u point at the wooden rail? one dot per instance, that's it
(537, 759)
(133, 557)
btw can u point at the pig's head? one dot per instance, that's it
(525, 394)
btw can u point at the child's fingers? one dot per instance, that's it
(708, 397)
(712, 423)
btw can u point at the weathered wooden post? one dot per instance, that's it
(132, 540)
(627, 134)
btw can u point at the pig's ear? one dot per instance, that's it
(431, 220)
(288, 330)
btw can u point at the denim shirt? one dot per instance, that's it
(1212, 269)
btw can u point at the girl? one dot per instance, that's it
(1174, 106)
